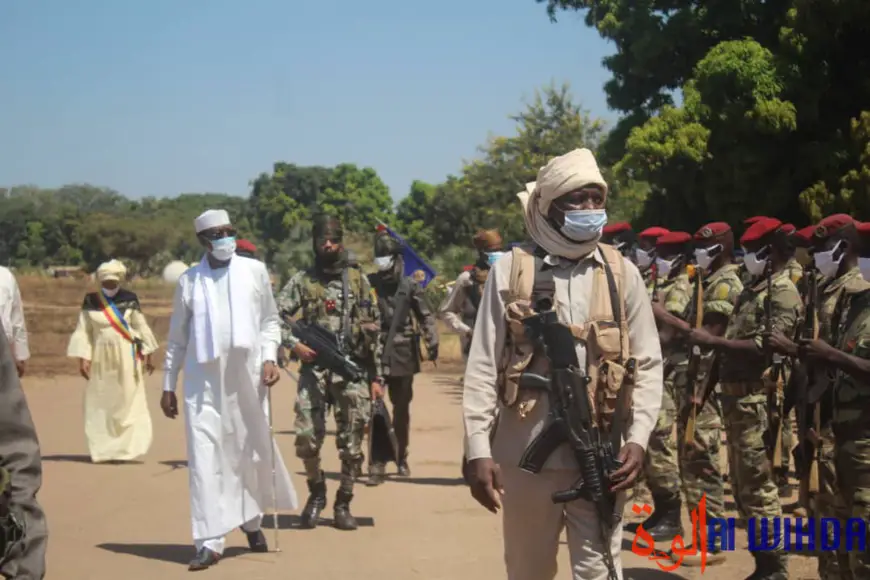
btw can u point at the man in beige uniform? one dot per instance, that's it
(564, 215)
(459, 309)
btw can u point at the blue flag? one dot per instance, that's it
(413, 262)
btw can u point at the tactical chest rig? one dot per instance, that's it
(604, 334)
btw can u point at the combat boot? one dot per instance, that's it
(403, 469)
(376, 474)
(344, 520)
(315, 505)
(669, 523)
(665, 522)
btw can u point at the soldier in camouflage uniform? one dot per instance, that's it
(320, 294)
(402, 361)
(841, 280)
(699, 462)
(645, 256)
(743, 368)
(661, 464)
(847, 357)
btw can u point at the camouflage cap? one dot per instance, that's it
(326, 225)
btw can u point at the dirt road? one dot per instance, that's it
(132, 521)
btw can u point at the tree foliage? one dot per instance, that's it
(773, 118)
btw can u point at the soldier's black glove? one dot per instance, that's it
(433, 353)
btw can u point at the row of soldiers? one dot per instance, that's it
(805, 290)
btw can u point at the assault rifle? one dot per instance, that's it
(325, 344)
(804, 376)
(572, 421)
(774, 363)
(696, 318)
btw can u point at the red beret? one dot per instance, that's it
(246, 246)
(617, 228)
(672, 238)
(788, 229)
(713, 230)
(760, 229)
(863, 228)
(653, 232)
(806, 234)
(749, 221)
(831, 225)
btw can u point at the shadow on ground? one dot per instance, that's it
(392, 478)
(175, 463)
(69, 458)
(174, 553)
(649, 574)
(293, 522)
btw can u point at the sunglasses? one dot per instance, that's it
(212, 235)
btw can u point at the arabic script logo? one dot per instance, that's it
(644, 545)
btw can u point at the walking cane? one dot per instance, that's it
(274, 475)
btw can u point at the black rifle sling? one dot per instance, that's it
(401, 308)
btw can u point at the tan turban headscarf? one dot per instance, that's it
(111, 270)
(561, 175)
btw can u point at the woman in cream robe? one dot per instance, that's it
(117, 422)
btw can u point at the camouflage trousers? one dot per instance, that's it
(827, 503)
(744, 413)
(699, 462)
(661, 466)
(351, 403)
(852, 461)
(787, 443)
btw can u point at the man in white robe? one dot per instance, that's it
(224, 333)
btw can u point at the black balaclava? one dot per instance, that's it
(326, 227)
(387, 247)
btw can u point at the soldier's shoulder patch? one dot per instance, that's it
(722, 291)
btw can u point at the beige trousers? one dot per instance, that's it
(533, 525)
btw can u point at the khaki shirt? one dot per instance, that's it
(573, 287)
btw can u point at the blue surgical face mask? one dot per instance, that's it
(223, 248)
(492, 257)
(583, 225)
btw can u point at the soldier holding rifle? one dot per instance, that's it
(337, 308)
(401, 303)
(565, 331)
(746, 381)
(661, 466)
(835, 256)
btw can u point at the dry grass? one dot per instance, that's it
(51, 308)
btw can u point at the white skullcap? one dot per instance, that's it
(212, 218)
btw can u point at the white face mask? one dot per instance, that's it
(223, 248)
(582, 225)
(643, 258)
(111, 293)
(753, 265)
(384, 263)
(704, 257)
(864, 265)
(664, 267)
(492, 257)
(825, 263)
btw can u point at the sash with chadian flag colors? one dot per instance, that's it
(116, 321)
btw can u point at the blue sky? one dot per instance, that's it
(160, 97)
